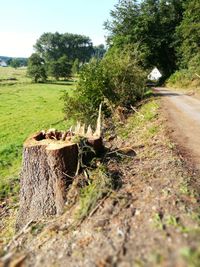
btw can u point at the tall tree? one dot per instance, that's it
(99, 51)
(52, 46)
(36, 68)
(149, 26)
(60, 68)
(15, 63)
(188, 35)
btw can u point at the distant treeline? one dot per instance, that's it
(58, 55)
(15, 62)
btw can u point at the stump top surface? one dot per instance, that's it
(59, 145)
(50, 144)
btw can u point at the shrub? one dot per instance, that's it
(60, 68)
(185, 78)
(36, 68)
(117, 80)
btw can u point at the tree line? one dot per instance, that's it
(166, 33)
(142, 35)
(58, 55)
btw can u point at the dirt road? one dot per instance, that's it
(183, 114)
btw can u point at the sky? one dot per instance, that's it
(22, 22)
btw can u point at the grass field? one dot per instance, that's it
(25, 108)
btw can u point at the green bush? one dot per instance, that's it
(185, 78)
(116, 80)
(60, 68)
(36, 68)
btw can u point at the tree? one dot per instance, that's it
(60, 68)
(99, 51)
(52, 46)
(15, 63)
(75, 66)
(36, 68)
(150, 26)
(188, 36)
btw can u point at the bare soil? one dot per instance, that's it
(183, 119)
(150, 219)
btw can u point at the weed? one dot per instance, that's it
(140, 120)
(192, 256)
(170, 144)
(99, 186)
(37, 229)
(184, 188)
(156, 259)
(158, 221)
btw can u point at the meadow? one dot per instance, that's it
(25, 108)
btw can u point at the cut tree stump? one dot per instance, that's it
(50, 161)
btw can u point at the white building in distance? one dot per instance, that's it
(3, 63)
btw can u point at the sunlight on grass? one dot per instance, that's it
(24, 109)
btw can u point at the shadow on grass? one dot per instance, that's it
(65, 83)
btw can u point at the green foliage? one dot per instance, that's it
(145, 115)
(100, 185)
(191, 255)
(115, 80)
(126, 78)
(184, 78)
(36, 68)
(188, 35)
(149, 25)
(52, 46)
(85, 101)
(60, 68)
(9, 187)
(99, 51)
(15, 63)
(75, 67)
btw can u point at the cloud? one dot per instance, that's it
(17, 44)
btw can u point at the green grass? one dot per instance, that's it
(19, 74)
(141, 119)
(24, 109)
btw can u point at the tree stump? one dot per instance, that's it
(47, 168)
(49, 164)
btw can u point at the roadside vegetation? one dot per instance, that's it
(188, 49)
(116, 80)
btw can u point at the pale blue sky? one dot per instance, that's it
(23, 21)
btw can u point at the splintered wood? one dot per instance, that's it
(50, 161)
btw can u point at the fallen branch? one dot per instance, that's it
(135, 110)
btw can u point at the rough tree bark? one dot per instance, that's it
(49, 163)
(47, 168)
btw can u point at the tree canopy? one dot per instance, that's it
(150, 26)
(188, 35)
(36, 68)
(52, 46)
